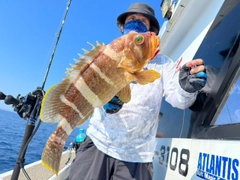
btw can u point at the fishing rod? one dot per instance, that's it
(28, 108)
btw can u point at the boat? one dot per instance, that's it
(36, 171)
(203, 141)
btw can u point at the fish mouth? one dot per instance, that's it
(155, 46)
(155, 53)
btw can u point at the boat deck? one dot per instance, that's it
(37, 171)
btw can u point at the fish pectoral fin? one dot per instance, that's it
(125, 94)
(129, 64)
(145, 77)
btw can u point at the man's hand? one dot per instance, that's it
(192, 76)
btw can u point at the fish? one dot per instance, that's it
(100, 74)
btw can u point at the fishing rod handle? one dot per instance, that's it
(2, 96)
(9, 99)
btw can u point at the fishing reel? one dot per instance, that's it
(24, 105)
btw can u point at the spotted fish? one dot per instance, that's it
(101, 73)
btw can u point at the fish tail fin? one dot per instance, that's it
(52, 153)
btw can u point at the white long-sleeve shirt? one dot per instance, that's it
(130, 134)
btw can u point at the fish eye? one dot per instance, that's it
(139, 39)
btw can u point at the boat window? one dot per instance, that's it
(230, 112)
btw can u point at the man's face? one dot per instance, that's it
(138, 17)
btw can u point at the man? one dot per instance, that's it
(122, 137)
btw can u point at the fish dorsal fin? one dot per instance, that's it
(50, 107)
(125, 94)
(83, 63)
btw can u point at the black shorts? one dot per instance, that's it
(92, 164)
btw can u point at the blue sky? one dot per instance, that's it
(28, 35)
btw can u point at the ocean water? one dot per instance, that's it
(12, 129)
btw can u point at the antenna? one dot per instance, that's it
(30, 127)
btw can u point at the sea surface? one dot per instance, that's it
(12, 129)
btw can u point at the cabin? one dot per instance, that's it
(202, 142)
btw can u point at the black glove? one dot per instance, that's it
(113, 106)
(191, 82)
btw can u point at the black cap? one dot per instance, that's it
(144, 9)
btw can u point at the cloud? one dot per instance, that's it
(237, 113)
